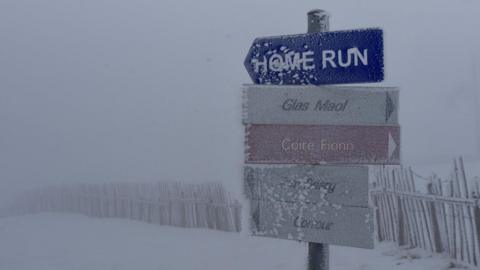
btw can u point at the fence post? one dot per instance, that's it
(437, 242)
(377, 215)
(400, 218)
(476, 218)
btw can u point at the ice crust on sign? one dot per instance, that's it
(325, 185)
(292, 202)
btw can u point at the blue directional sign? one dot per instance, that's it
(318, 58)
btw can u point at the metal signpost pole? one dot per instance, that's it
(318, 254)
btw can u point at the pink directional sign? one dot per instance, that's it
(327, 144)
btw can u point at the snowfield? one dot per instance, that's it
(76, 242)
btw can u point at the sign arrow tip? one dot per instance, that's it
(392, 145)
(390, 107)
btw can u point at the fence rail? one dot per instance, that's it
(443, 219)
(176, 204)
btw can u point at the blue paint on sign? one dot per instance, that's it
(318, 58)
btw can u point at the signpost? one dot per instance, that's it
(314, 144)
(301, 141)
(317, 58)
(325, 105)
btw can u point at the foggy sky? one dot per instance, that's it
(145, 90)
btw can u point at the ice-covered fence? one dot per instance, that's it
(445, 218)
(176, 204)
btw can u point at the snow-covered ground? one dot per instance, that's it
(76, 242)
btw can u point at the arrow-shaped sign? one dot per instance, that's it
(344, 226)
(327, 185)
(317, 144)
(317, 58)
(320, 105)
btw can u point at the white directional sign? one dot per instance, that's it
(328, 185)
(320, 105)
(340, 225)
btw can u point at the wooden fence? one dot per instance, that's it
(444, 218)
(176, 204)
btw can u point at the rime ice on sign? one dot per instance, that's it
(317, 58)
(341, 225)
(323, 185)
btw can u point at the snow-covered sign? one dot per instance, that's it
(336, 225)
(322, 144)
(317, 58)
(325, 105)
(327, 185)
